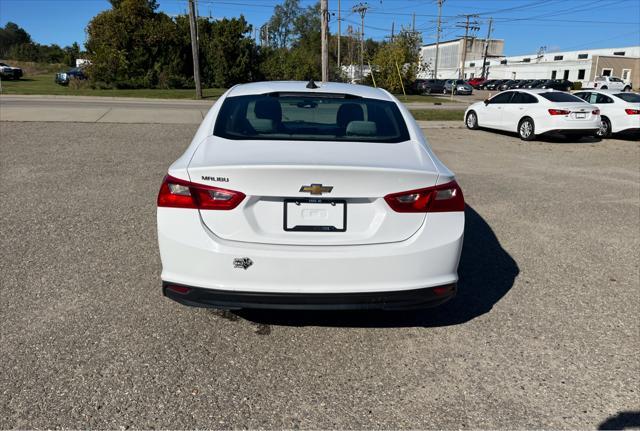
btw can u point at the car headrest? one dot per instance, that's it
(361, 128)
(268, 108)
(347, 113)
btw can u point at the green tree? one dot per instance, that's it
(402, 54)
(229, 54)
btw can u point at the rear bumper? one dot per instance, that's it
(193, 256)
(225, 299)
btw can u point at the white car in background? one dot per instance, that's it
(619, 111)
(534, 112)
(309, 196)
(608, 83)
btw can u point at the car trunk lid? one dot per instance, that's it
(359, 175)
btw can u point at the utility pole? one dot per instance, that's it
(473, 26)
(486, 51)
(361, 8)
(324, 36)
(195, 50)
(435, 68)
(413, 23)
(339, 34)
(393, 24)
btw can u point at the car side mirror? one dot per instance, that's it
(486, 101)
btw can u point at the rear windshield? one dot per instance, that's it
(629, 97)
(310, 117)
(558, 96)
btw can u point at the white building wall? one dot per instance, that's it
(542, 67)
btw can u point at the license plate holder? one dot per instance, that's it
(315, 215)
(581, 115)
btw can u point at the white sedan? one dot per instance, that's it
(619, 111)
(309, 196)
(534, 112)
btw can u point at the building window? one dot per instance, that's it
(558, 57)
(625, 74)
(526, 60)
(566, 74)
(553, 74)
(503, 61)
(581, 73)
(618, 53)
(606, 72)
(472, 64)
(486, 63)
(471, 75)
(582, 56)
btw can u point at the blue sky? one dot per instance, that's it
(525, 25)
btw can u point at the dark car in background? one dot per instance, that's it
(64, 78)
(494, 84)
(483, 85)
(427, 86)
(457, 86)
(535, 83)
(10, 72)
(557, 84)
(507, 85)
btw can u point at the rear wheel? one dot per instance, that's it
(526, 129)
(605, 128)
(472, 120)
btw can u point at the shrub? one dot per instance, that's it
(576, 86)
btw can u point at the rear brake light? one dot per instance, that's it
(177, 193)
(559, 112)
(443, 198)
(596, 112)
(630, 111)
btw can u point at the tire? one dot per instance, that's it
(605, 128)
(526, 129)
(471, 121)
(444, 91)
(428, 91)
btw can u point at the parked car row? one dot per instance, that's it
(510, 84)
(535, 112)
(441, 86)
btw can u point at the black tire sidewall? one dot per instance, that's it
(475, 124)
(533, 130)
(608, 132)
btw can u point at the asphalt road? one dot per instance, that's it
(543, 334)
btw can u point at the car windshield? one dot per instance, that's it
(558, 96)
(310, 116)
(460, 81)
(629, 97)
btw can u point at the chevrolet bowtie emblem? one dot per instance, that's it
(316, 189)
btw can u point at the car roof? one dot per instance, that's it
(532, 90)
(255, 88)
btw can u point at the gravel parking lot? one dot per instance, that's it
(543, 334)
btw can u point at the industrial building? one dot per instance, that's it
(577, 66)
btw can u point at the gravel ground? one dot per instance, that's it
(544, 332)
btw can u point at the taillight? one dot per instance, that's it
(443, 198)
(559, 112)
(177, 193)
(630, 111)
(596, 112)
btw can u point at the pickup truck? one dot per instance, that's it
(608, 82)
(8, 72)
